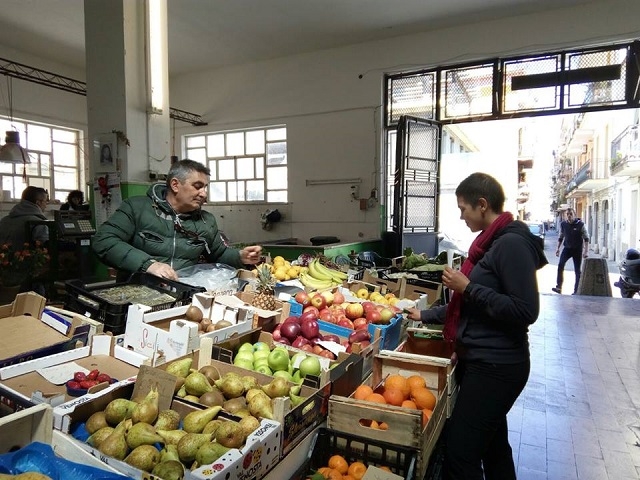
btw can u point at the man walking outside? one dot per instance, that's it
(576, 246)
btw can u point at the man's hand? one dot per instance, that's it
(162, 270)
(454, 279)
(250, 255)
(585, 254)
(558, 252)
(413, 313)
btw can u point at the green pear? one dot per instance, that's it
(189, 444)
(118, 410)
(210, 452)
(194, 422)
(167, 420)
(180, 368)
(147, 410)
(144, 457)
(169, 470)
(197, 384)
(171, 437)
(142, 434)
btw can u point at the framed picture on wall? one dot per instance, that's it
(105, 153)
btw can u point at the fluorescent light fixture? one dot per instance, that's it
(156, 55)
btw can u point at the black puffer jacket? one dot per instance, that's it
(501, 301)
(143, 228)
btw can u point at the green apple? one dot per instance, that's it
(261, 354)
(243, 364)
(246, 347)
(297, 358)
(297, 376)
(310, 366)
(278, 359)
(263, 369)
(260, 347)
(246, 356)
(260, 361)
(286, 375)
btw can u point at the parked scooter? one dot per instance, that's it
(629, 283)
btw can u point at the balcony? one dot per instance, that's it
(625, 153)
(523, 192)
(582, 182)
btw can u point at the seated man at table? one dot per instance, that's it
(167, 229)
(13, 227)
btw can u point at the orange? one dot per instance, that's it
(337, 462)
(416, 381)
(362, 392)
(347, 477)
(376, 397)
(357, 469)
(426, 416)
(374, 425)
(330, 473)
(409, 404)
(393, 396)
(423, 398)
(385, 468)
(383, 426)
(396, 380)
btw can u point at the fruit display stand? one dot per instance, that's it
(404, 425)
(43, 380)
(292, 248)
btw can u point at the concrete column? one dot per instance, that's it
(118, 96)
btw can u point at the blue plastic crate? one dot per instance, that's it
(295, 308)
(389, 334)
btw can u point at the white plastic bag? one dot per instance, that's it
(214, 277)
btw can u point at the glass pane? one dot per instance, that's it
(215, 145)
(255, 190)
(65, 154)
(255, 141)
(240, 192)
(468, 91)
(197, 154)
(235, 143)
(279, 196)
(260, 167)
(530, 98)
(6, 167)
(18, 187)
(7, 187)
(232, 192)
(226, 169)
(276, 178)
(212, 168)
(605, 92)
(277, 153)
(32, 168)
(64, 135)
(61, 195)
(218, 192)
(277, 134)
(5, 125)
(65, 178)
(196, 141)
(412, 95)
(45, 165)
(38, 138)
(245, 167)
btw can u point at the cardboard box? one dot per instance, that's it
(344, 374)
(42, 380)
(404, 424)
(29, 331)
(33, 424)
(266, 319)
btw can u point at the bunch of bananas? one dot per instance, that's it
(319, 277)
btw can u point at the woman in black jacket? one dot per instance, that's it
(495, 300)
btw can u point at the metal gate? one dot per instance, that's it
(415, 198)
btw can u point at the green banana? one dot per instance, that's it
(314, 283)
(315, 272)
(335, 275)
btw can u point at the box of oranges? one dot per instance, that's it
(404, 403)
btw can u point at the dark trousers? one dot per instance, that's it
(477, 440)
(565, 255)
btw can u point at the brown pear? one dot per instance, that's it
(210, 372)
(167, 420)
(194, 422)
(95, 422)
(142, 434)
(212, 398)
(171, 437)
(180, 368)
(147, 410)
(233, 405)
(230, 435)
(189, 444)
(144, 457)
(98, 437)
(118, 410)
(115, 445)
(169, 470)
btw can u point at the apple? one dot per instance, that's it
(308, 316)
(307, 348)
(278, 359)
(368, 306)
(310, 366)
(386, 315)
(245, 347)
(317, 349)
(354, 310)
(318, 301)
(345, 322)
(313, 309)
(297, 358)
(328, 297)
(243, 356)
(302, 298)
(330, 337)
(373, 316)
(261, 347)
(260, 362)
(292, 318)
(325, 315)
(338, 298)
(360, 323)
(362, 293)
(277, 336)
(327, 354)
(284, 374)
(243, 363)
(263, 369)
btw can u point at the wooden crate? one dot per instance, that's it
(19, 429)
(404, 425)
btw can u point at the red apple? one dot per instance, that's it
(327, 354)
(317, 349)
(368, 306)
(307, 348)
(374, 316)
(307, 316)
(325, 315)
(345, 322)
(328, 297)
(313, 309)
(302, 298)
(360, 323)
(386, 315)
(318, 301)
(338, 298)
(354, 310)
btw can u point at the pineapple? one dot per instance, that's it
(265, 297)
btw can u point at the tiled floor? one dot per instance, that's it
(579, 415)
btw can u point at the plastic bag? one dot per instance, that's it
(214, 277)
(39, 457)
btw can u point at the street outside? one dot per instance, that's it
(547, 275)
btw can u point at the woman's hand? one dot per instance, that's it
(250, 255)
(454, 279)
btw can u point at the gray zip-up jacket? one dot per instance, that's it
(13, 227)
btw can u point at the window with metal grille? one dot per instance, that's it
(246, 165)
(55, 159)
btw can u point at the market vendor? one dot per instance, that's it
(167, 230)
(13, 227)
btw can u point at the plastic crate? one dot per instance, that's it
(430, 276)
(401, 460)
(82, 298)
(389, 334)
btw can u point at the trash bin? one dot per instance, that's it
(595, 278)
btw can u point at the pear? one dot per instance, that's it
(180, 368)
(278, 387)
(197, 384)
(192, 398)
(235, 404)
(96, 438)
(296, 399)
(231, 386)
(182, 392)
(169, 470)
(169, 452)
(212, 398)
(194, 422)
(179, 385)
(252, 392)
(142, 434)
(230, 435)
(210, 452)
(147, 410)
(243, 412)
(260, 406)
(27, 476)
(144, 457)
(115, 445)
(295, 389)
(210, 372)
(249, 382)
(171, 437)
(249, 424)
(118, 410)
(212, 426)
(167, 420)
(189, 444)
(95, 422)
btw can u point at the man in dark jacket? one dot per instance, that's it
(576, 246)
(167, 230)
(13, 227)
